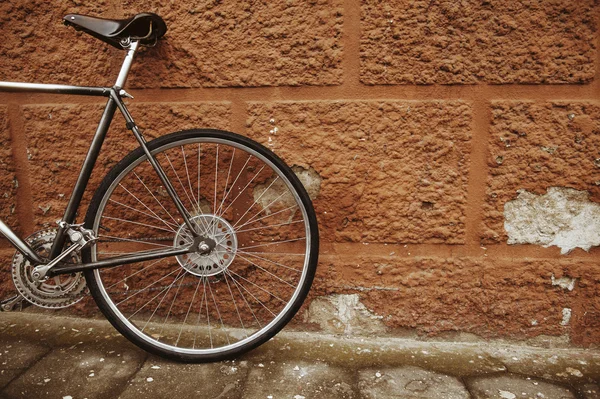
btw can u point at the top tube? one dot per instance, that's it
(53, 88)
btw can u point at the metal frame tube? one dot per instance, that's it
(19, 244)
(126, 64)
(55, 89)
(84, 175)
(155, 165)
(118, 261)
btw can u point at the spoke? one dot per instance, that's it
(233, 184)
(264, 208)
(274, 243)
(185, 274)
(235, 304)
(216, 176)
(237, 285)
(180, 183)
(207, 314)
(276, 253)
(147, 214)
(267, 216)
(199, 310)
(226, 183)
(145, 288)
(139, 271)
(138, 223)
(269, 226)
(270, 261)
(188, 311)
(167, 289)
(198, 187)
(257, 286)
(256, 202)
(187, 172)
(241, 192)
(266, 271)
(249, 293)
(218, 313)
(156, 199)
(138, 241)
(144, 205)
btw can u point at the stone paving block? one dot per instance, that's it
(409, 382)
(242, 43)
(513, 386)
(16, 356)
(450, 42)
(37, 47)
(298, 380)
(537, 145)
(162, 379)
(59, 136)
(96, 371)
(392, 171)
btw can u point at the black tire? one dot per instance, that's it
(261, 268)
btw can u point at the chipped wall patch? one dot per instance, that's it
(344, 314)
(567, 283)
(563, 217)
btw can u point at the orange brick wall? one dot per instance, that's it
(422, 118)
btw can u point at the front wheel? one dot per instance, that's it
(212, 306)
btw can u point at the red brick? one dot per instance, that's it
(393, 171)
(37, 47)
(534, 146)
(450, 42)
(242, 43)
(59, 136)
(508, 298)
(9, 182)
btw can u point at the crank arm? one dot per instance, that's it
(39, 272)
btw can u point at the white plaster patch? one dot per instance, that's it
(566, 312)
(269, 193)
(344, 314)
(566, 283)
(563, 217)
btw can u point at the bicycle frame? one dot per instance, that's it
(114, 95)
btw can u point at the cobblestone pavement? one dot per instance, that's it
(45, 356)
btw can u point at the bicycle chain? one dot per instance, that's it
(55, 292)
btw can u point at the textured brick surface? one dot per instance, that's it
(7, 287)
(534, 146)
(8, 183)
(450, 42)
(213, 43)
(37, 47)
(392, 171)
(489, 297)
(586, 309)
(59, 136)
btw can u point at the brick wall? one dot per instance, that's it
(422, 118)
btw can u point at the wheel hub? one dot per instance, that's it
(207, 262)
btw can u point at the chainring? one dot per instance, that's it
(54, 292)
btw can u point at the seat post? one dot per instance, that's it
(127, 64)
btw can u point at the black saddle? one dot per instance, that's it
(146, 28)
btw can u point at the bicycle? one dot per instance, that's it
(198, 246)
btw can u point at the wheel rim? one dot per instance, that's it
(263, 282)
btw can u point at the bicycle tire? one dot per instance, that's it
(261, 268)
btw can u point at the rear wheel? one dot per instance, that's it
(213, 306)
